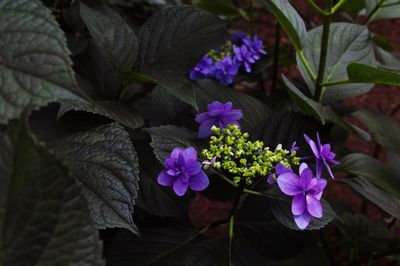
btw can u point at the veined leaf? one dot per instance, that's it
(105, 163)
(349, 43)
(43, 218)
(378, 9)
(367, 74)
(35, 67)
(111, 34)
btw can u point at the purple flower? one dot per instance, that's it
(226, 69)
(183, 171)
(245, 56)
(306, 191)
(204, 69)
(237, 38)
(255, 46)
(294, 147)
(279, 169)
(323, 155)
(220, 115)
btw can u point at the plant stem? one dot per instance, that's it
(373, 12)
(239, 191)
(317, 8)
(337, 6)
(323, 55)
(336, 82)
(276, 54)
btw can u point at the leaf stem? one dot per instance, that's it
(317, 8)
(337, 6)
(336, 82)
(306, 65)
(323, 55)
(374, 11)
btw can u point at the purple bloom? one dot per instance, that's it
(294, 147)
(323, 155)
(226, 70)
(237, 38)
(306, 191)
(204, 69)
(255, 46)
(183, 171)
(220, 115)
(279, 169)
(245, 56)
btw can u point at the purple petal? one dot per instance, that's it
(318, 185)
(228, 106)
(302, 167)
(175, 152)
(314, 206)
(205, 129)
(281, 169)
(271, 180)
(329, 169)
(313, 146)
(298, 204)
(169, 163)
(181, 160)
(289, 184)
(305, 178)
(192, 167)
(202, 117)
(172, 172)
(164, 179)
(199, 181)
(190, 153)
(180, 187)
(318, 167)
(232, 116)
(303, 220)
(319, 140)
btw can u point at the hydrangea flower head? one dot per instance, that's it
(204, 69)
(226, 70)
(183, 171)
(306, 191)
(218, 114)
(244, 56)
(323, 155)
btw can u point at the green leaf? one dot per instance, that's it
(43, 218)
(166, 138)
(381, 198)
(119, 112)
(172, 42)
(374, 171)
(379, 9)
(385, 129)
(349, 43)
(354, 7)
(221, 7)
(387, 60)
(111, 34)
(34, 64)
(367, 74)
(321, 112)
(105, 163)
(254, 111)
(283, 212)
(281, 15)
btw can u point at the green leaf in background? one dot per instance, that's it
(349, 43)
(44, 220)
(386, 60)
(172, 42)
(222, 7)
(367, 74)
(117, 111)
(354, 7)
(111, 34)
(254, 111)
(385, 129)
(367, 167)
(105, 163)
(166, 138)
(382, 9)
(291, 26)
(381, 198)
(321, 112)
(35, 67)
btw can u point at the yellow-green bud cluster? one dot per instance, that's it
(225, 50)
(242, 158)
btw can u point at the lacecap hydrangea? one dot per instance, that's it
(224, 64)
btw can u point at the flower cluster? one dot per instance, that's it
(220, 115)
(224, 64)
(233, 153)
